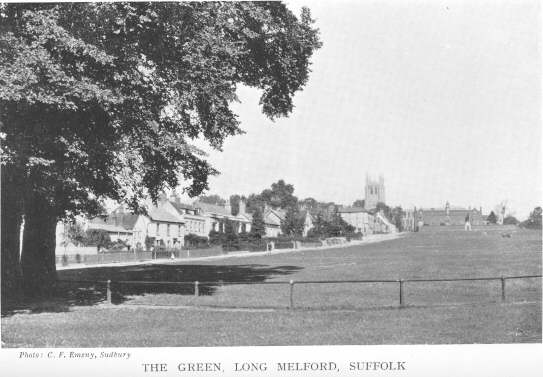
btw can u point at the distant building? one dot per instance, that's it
(195, 221)
(216, 215)
(308, 221)
(374, 192)
(162, 226)
(359, 218)
(450, 216)
(272, 221)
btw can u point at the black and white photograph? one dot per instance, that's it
(248, 174)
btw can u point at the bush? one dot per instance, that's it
(64, 260)
(510, 220)
(534, 221)
(196, 242)
(78, 258)
(97, 237)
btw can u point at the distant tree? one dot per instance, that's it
(258, 227)
(534, 221)
(216, 238)
(98, 237)
(293, 223)
(361, 203)
(510, 220)
(74, 233)
(212, 199)
(309, 204)
(280, 195)
(387, 212)
(492, 218)
(396, 217)
(255, 202)
(335, 227)
(234, 203)
(149, 242)
(194, 240)
(231, 239)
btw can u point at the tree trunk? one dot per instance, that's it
(11, 218)
(39, 241)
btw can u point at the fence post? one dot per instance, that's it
(503, 288)
(401, 293)
(291, 289)
(108, 292)
(196, 289)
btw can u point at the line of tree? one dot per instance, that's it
(101, 100)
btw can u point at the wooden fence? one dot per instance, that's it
(401, 284)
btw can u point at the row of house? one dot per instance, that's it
(170, 220)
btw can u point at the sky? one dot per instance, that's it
(442, 98)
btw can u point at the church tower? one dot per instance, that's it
(374, 192)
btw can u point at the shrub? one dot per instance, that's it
(78, 258)
(64, 260)
(97, 237)
(195, 241)
(510, 220)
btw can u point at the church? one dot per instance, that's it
(374, 192)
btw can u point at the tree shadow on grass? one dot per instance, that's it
(86, 287)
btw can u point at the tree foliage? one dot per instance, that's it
(279, 195)
(492, 218)
(293, 223)
(234, 203)
(510, 220)
(361, 203)
(74, 233)
(103, 100)
(258, 227)
(212, 199)
(534, 220)
(336, 226)
(97, 237)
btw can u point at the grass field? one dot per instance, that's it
(436, 312)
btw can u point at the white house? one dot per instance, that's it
(272, 221)
(362, 220)
(216, 215)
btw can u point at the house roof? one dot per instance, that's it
(443, 212)
(98, 223)
(212, 208)
(179, 206)
(159, 214)
(351, 210)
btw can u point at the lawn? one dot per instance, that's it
(443, 312)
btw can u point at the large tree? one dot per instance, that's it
(102, 100)
(279, 195)
(293, 223)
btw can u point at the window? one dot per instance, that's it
(157, 224)
(168, 230)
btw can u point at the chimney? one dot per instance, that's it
(242, 206)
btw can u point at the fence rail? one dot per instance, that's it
(291, 283)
